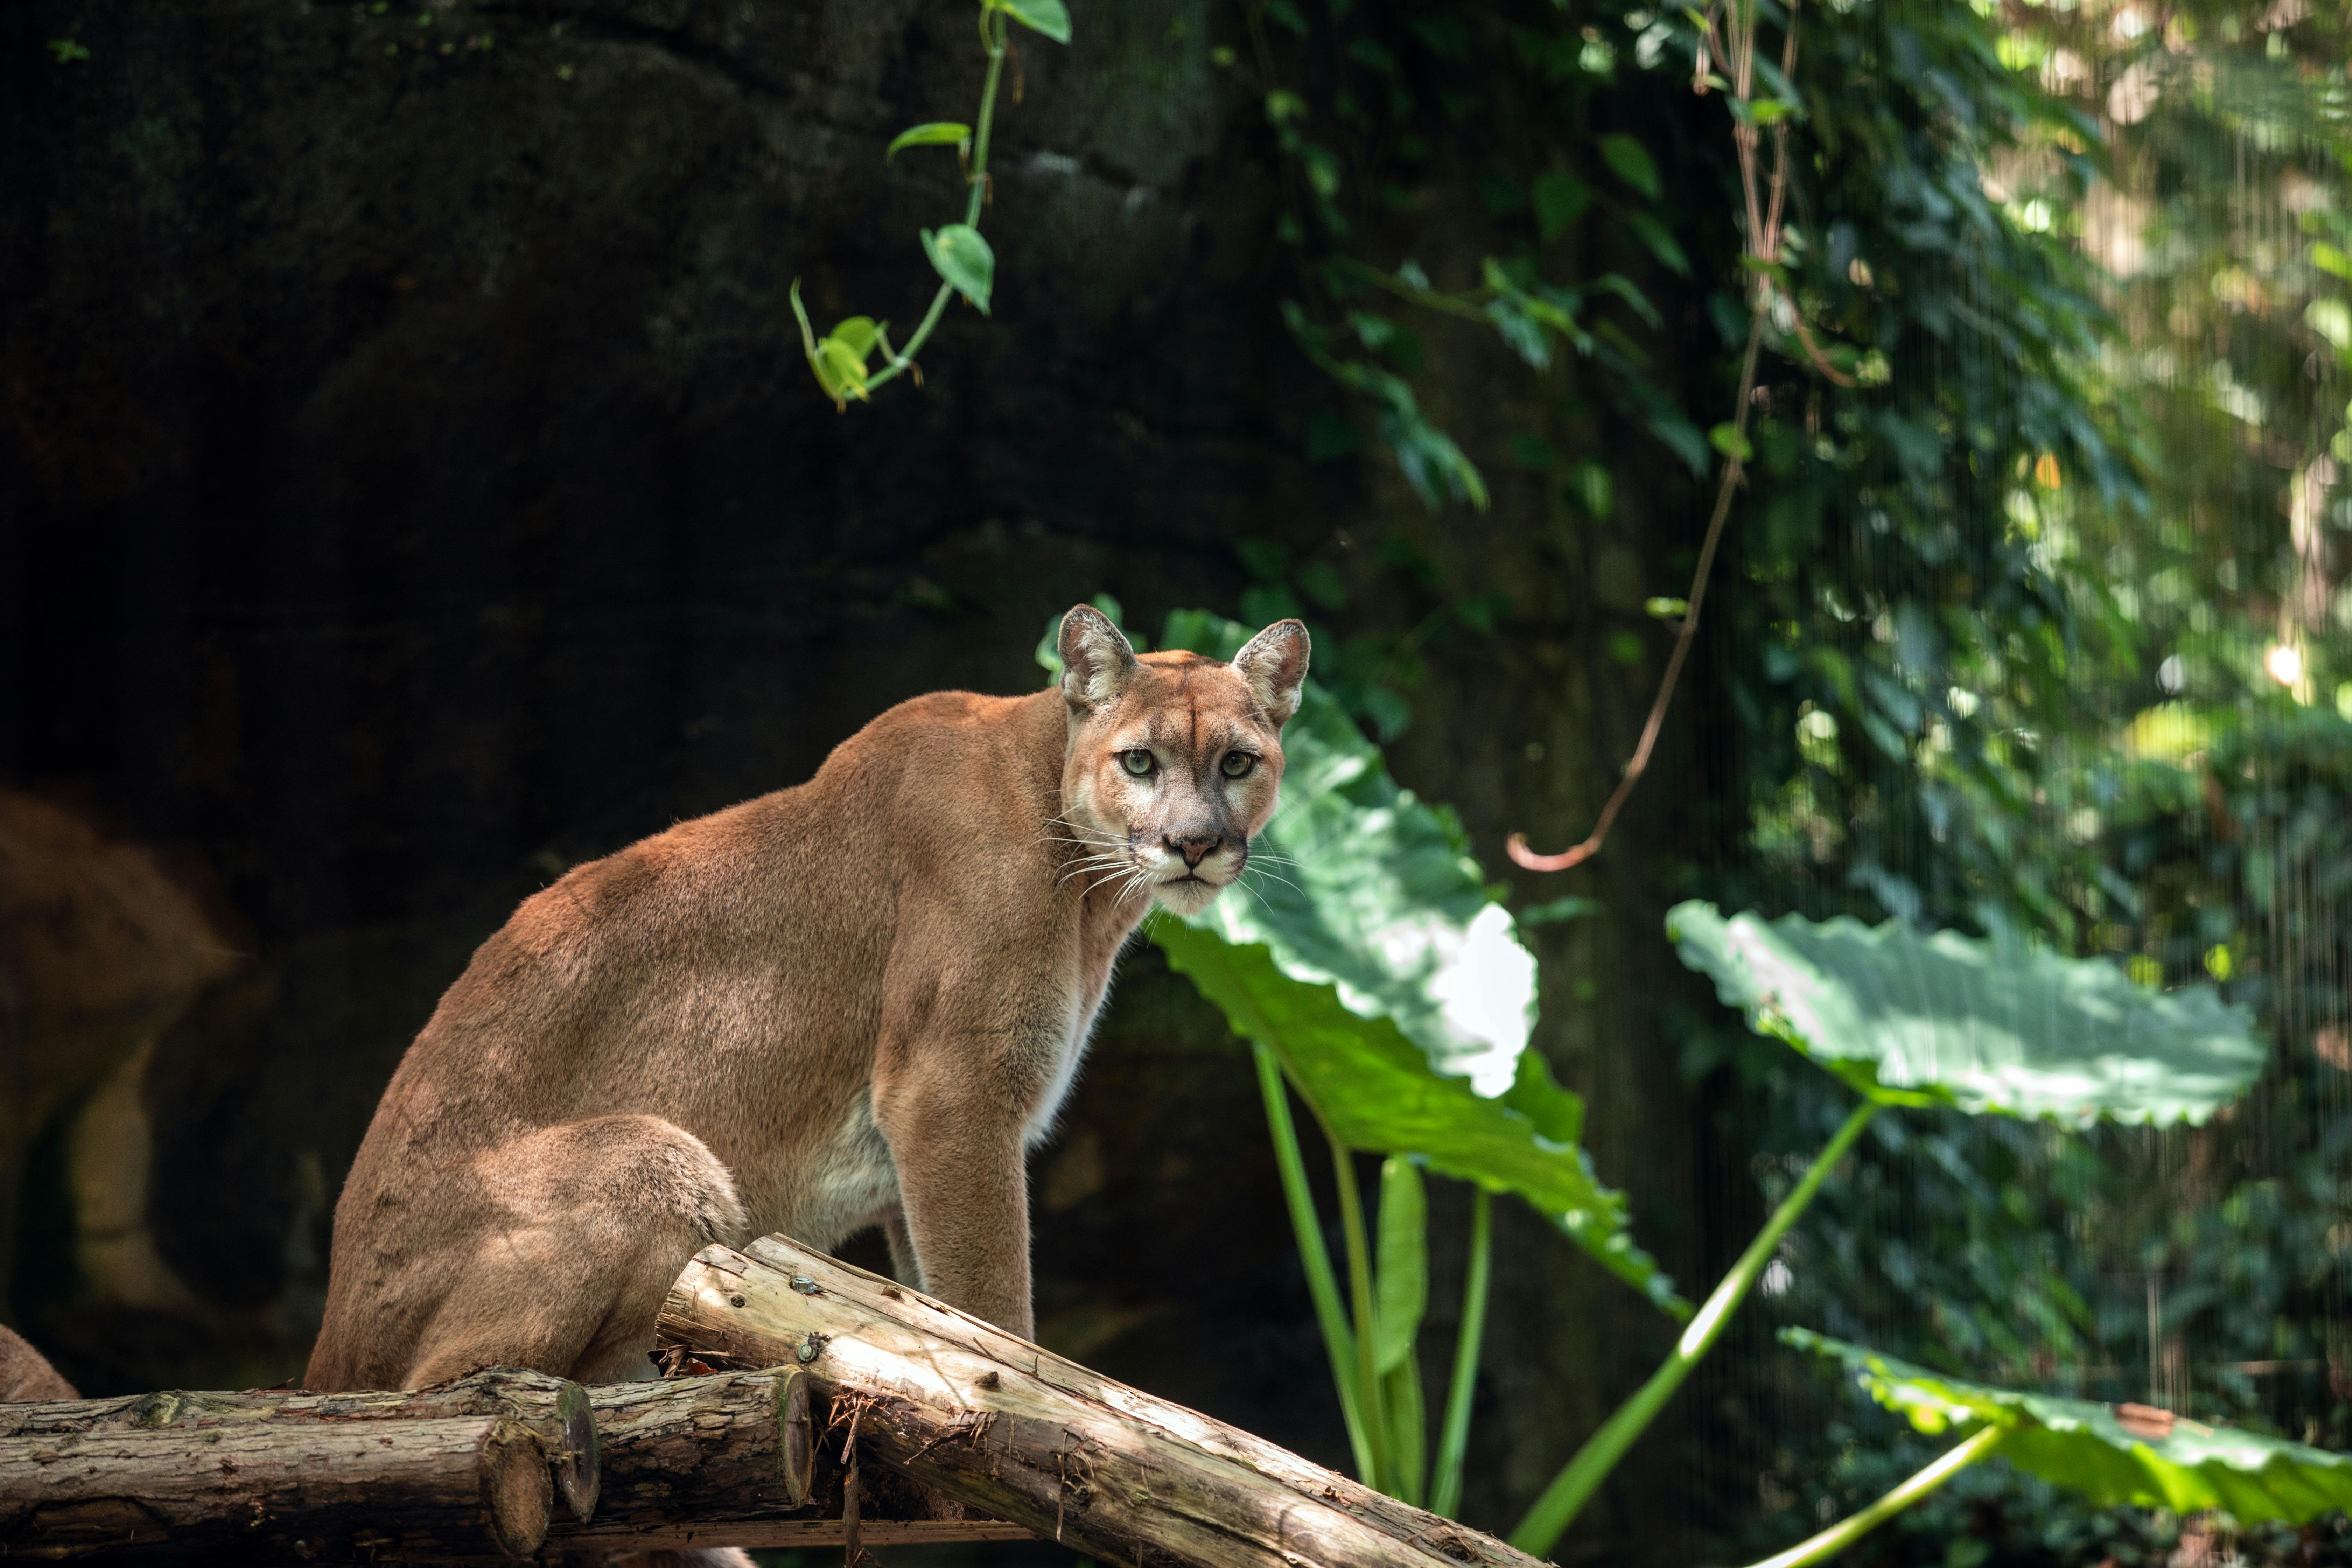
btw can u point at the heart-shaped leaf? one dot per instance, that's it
(1050, 17)
(936, 133)
(2115, 1454)
(1632, 163)
(962, 257)
(1560, 199)
(1985, 1025)
(856, 333)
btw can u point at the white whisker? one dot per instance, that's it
(1276, 876)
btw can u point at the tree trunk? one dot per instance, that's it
(998, 1423)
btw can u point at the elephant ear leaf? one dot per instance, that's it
(1986, 1025)
(2115, 1454)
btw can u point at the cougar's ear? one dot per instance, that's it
(1097, 660)
(1274, 662)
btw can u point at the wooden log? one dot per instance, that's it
(994, 1421)
(698, 1451)
(438, 1487)
(719, 1450)
(557, 1410)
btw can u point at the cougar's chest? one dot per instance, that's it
(1062, 1047)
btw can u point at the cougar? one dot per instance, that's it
(855, 1002)
(26, 1373)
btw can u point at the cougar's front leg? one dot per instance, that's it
(955, 1134)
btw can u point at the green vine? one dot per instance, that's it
(957, 251)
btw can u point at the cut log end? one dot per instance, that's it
(795, 1438)
(578, 1473)
(517, 1492)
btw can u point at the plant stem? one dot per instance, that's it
(1464, 306)
(1848, 1530)
(1360, 1286)
(904, 360)
(981, 127)
(1583, 1475)
(1322, 1285)
(1453, 1438)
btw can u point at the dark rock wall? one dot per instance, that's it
(412, 486)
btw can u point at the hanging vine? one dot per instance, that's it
(843, 359)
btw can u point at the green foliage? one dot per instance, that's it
(2113, 1454)
(1632, 163)
(1374, 975)
(2168, 801)
(963, 259)
(1050, 17)
(1404, 1260)
(1375, 1090)
(1985, 1025)
(1911, 1020)
(839, 358)
(934, 133)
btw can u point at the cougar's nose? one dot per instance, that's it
(1194, 846)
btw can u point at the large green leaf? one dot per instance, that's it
(1374, 1090)
(1364, 950)
(1985, 1025)
(2116, 1453)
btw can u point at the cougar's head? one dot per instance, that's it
(1174, 760)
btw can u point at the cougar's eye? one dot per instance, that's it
(1138, 761)
(1237, 765)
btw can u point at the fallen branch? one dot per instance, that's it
(440, 1487)
(974, 1415)
(468, 1469)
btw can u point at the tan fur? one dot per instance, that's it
(855, 1002)
(26, 1373)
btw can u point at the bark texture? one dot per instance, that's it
(632, 1462)
(1001, 1423)
(267, 1490)
(555, 1411)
